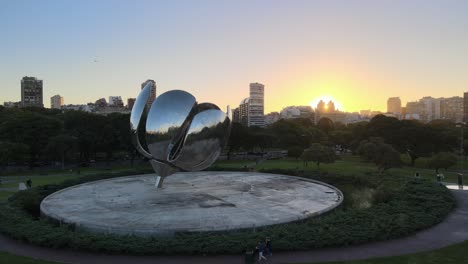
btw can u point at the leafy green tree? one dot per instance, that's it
(60, 147)
(441, 160)
(236, 138)
(295, 152)
(12, 152)
(415, 140)
(325, 124)
(383, 155)
(31, 129)
(318, 153)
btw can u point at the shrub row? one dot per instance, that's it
(417, 205)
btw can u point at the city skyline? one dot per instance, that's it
(358, 53)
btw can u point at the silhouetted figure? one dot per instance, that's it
(460, 181)
(29, 183)
(268, 250)
(261, 251)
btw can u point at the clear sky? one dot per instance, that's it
(358, 52)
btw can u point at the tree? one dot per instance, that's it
(235, 141)
(10, 152)
(295, 152)
(60, 146)
(31, 129)
(442, 160)
(383, 155)
(325, 124)
(318, 153)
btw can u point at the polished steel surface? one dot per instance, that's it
(135, 117)
(168, 120)
(204, 140)
(181, 135)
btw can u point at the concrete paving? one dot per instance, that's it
(190, 201)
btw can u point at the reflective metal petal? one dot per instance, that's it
(167, 123)
(204, 141)
(135, 117)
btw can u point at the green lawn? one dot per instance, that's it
(347, 165)
(54, 176)
(7, 258)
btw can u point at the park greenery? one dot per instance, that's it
(36, 137)
(374, 205)
(372, 163)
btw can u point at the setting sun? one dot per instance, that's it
(326, 99)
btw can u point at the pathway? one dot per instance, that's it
(451, 231)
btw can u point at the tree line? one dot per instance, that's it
(34, 136)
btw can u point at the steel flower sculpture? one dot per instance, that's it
(181, 135)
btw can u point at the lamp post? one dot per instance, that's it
(460, 174)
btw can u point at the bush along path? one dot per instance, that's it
(418, 205)
(451, 231)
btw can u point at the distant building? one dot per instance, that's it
(394, 105)
(365, 113)
(413, 108)
(271, 118)
(100, 103)
(297, 112)
(321, 106)
(152, 96)
(12, 104)
(256, 105)
(236, 115)
(403, 112)
(465, 107)
(56, 102)
(426, 109)
(431, 110)
(130, 103)
(330, 107)
(452, 109)
(82, 107)
(115, 101)
(244, 112)
(340, 117)
(31, 92)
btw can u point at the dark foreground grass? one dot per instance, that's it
(7, 258)
(455, 254)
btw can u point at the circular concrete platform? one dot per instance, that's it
(189, 202)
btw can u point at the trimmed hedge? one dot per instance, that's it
(415, 205)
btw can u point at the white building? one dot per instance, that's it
(152, 96)
(56, 102)
(256, 105)
(303, 111)
(116, 101)
(394, 105)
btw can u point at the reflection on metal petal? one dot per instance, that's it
(181, 134)
(135, 117)
(204, 141)
(167, 122)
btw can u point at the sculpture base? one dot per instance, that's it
(189, 202)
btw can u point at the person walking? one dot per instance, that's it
(268, 250)
(261, 250)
